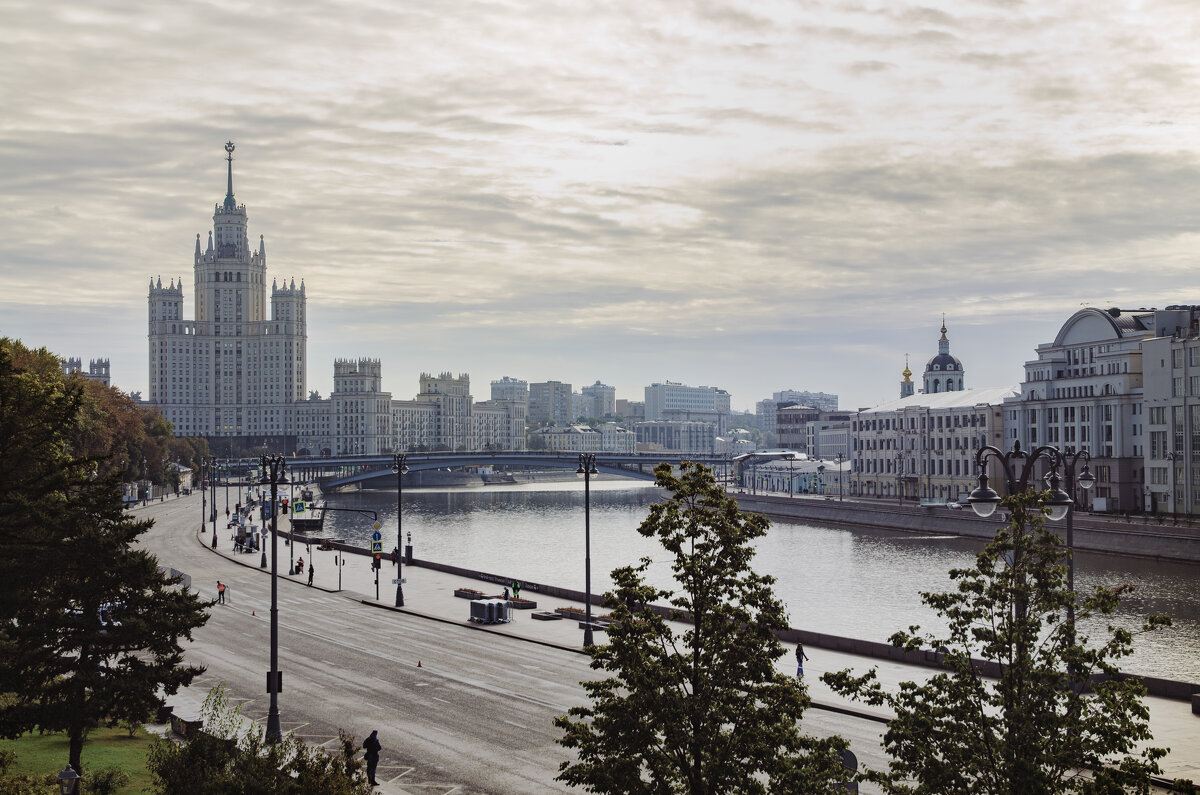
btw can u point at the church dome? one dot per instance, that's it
(944, 362)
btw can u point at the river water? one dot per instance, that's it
(857, 583)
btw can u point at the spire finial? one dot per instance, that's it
(943, 324)
(230, 204)
(907, 373)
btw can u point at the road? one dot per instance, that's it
(458, 709)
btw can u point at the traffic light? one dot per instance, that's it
(283, 505)
(375, 564)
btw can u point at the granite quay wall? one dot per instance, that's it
(1094, 534)
(1165, 688)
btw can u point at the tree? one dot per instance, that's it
(1058, 718)
(704, 711)
(91, 629)
(230, 757)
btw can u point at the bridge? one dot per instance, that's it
(346, 470)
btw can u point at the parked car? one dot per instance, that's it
(954, 506)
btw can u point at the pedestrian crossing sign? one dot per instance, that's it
(299, 506)
(376, 547)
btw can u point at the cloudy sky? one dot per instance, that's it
(757, 196)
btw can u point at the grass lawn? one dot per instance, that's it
(38, 754)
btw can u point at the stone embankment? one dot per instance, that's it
(1093, 532)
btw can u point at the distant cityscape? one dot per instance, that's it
(1122, 384)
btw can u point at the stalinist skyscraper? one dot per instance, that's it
(232, 373)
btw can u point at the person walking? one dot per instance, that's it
(311, 571)
(800, 658)
(220, 592)
(372, 747)
(395, 556)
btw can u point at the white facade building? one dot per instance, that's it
(233, 371)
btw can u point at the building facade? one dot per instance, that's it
(550, 402)
(237, 369)
(1085, 391)
(600, 400)
(98, 370)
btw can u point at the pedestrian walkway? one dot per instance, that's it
(431, 594)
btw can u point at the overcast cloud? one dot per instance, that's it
(758, 196)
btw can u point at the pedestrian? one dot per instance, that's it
(299, 566)
(800, 658)
(506, 593)
(516, 590)
(311, 571)
(395, 556)
(372, 747)
(220, 592)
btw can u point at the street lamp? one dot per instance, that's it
(1173, 457)
(68, 781)
(212, 501)
(984, 500)
(839, 458)
(274, 473)
(899, 474)
(587, 468)
(400, 468)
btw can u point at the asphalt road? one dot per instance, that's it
(475, 716)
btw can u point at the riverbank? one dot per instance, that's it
(1092, 533)
(1156, 686)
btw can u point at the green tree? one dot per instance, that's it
(704, 711)
(91, 629)
(1046, 724)
(230, 757)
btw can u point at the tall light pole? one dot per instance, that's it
(274, 473)
(212, 502)
(984, 500)
(1173, 457)
(204, 498)
(400, 468)
(838, 459)
(587, 468)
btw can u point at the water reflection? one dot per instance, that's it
(861, 583)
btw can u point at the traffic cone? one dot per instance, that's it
(418, 663)
(253, 613)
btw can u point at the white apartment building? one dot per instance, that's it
(599, 400)
(1085, 390)
(551, 401)
(923, 447)
(681, 403)
(608, 437)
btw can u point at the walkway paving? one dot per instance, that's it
(430, 594)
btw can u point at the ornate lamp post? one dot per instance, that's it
(400, 468)
(274, 473)
(984, 499)
(587, 468)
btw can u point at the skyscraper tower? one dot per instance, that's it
(233, 372)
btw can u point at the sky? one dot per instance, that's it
(752, 195)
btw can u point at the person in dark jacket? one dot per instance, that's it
(372, 747)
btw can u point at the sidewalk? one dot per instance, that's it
(430, 594)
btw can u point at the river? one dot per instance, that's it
(857, 583)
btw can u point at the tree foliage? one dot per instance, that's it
(704, 711)
(90, 630)
(1058, 718)
(230, 757)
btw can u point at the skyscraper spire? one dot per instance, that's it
(230, 204)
